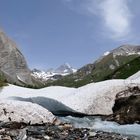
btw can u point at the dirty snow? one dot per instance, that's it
(18, 111)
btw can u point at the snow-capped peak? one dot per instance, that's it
(53, 74)
(63, 69)
(106, 53)
(68, 65)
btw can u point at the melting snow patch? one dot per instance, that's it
(106, 53)
(24, 112)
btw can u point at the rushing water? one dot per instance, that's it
(97, 124)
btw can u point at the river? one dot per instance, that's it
(96, 123)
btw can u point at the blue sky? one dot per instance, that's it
(52, 32)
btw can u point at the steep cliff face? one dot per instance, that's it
(12, 62)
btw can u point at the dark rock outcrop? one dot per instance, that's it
(127, 107)
(12, 63)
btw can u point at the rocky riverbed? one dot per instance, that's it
(23, 131)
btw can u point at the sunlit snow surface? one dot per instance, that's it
(97, 124)
(55, 92)
(106, 53)
(94, 98)
(135, 76)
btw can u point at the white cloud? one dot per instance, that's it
(115, 14)
(117, 17)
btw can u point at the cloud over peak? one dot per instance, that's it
(117, 17)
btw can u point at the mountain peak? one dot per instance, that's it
(126, 50)
(65, 68)
(67, 64)
(62, 70)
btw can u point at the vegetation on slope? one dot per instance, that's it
(100, 70)
(126, 70)
(2, 80)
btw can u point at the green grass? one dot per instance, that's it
(126, 70)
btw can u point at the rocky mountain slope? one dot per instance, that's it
(53, 74)
(119, 63)
(12, 63)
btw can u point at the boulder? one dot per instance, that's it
(126, 109)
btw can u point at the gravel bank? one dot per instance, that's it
(23, 131)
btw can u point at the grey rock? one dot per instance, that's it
(54, 132)
(12, 62)
(65, 68)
